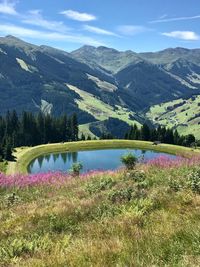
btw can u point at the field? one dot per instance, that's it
(140, 217)
(149, 216)
(184, 115)
(84, 128)
(99, 109)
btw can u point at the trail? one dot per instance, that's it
(12, 165)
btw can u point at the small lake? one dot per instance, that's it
(107, 159)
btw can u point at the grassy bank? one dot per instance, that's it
(147, 217)
(3, 166)
(25, 155)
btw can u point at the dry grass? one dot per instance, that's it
(95, 222)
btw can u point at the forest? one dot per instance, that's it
(160, 134)
(30, 130)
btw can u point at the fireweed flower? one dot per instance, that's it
(167, 162)
(60, 178)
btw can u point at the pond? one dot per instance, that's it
(107, 159)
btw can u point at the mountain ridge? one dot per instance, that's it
(126, 83)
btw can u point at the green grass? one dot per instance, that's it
(84, 128)
(179, 116)
(137, 219)
(100, 110)
(26, 155)
(3, 166)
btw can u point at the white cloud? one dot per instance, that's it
(174, 19)
(35, 18)
(183, 35)
(131, 29)
(163, 16)
(8, 7)
(98, 30)
(75, 15)
(21, 32)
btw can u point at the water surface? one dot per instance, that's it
(107, 159)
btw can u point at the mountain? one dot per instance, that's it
(107, 59)
(105, 87)
(170, 55)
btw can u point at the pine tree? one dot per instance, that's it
(89, 137)
(74, 127)
(145, 133)
(189, 140)
(176, 138)
(82, 137)
(7, 153)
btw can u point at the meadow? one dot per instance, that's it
(148, 216)
(182, 113)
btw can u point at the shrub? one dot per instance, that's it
(136, 175)
(175, 185)
(194, 181)
(129, 161)
(12, 199)
(100, 185)
(122, 195)
(76, 168)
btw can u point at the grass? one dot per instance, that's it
(105, 86)
(84, 128)
(100, 110)
(26, 155)
(3, 166)
(146, 217)
(178, 116)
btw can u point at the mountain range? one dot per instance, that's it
(108, 89)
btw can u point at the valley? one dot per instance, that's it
(101, 84)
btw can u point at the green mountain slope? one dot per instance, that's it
(105, 58)
(181, 114)
(98, 84)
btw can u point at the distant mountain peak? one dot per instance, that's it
(104, 48)
(12, 37)
(17, 42)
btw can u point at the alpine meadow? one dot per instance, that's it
(99, 133)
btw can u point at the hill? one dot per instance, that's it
(141, 217)
(181, 114)
(97, 83)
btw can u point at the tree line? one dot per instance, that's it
(31, 130)
(159, 134)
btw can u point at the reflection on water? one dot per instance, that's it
(108, 159)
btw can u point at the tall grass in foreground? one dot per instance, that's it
(149, 216)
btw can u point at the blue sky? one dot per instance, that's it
(138, 25)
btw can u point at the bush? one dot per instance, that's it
(100, 185)
(136, 175)
(129, 161)
(76, 168)
(175, 185)
(12, 199)
(122, 195)
(194, 181)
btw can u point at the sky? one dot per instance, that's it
(138, 25)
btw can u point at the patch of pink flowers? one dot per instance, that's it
(50, 178)
(167, 162)
(20, 180)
